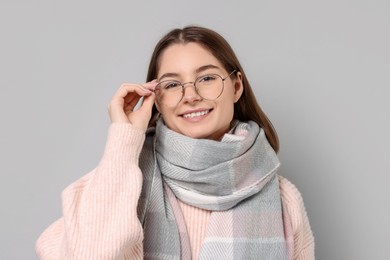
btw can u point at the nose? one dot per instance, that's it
(189, 92)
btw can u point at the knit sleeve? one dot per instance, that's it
(100, 210)
(298, 219)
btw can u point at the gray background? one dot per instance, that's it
(320, 69)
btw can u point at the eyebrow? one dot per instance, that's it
(197, 71)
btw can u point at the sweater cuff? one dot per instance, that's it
(124, 141)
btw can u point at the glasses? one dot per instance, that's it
(209, 87)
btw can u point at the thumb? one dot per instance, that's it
(148, 103)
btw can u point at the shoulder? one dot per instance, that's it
(289, 193)
(292, 202)
(297, 219)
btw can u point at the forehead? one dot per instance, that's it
(185, 58)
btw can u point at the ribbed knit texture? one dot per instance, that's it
(196, 220)
(100, 209)
(303, 236)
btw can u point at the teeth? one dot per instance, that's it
(196, 114)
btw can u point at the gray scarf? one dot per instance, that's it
(235, 178)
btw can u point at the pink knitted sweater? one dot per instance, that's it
(100, 210)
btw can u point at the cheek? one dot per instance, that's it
(225, 111)
(165, 110)
(169, 115)
(228, 101)
(227, 108)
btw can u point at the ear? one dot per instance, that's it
(238, 87)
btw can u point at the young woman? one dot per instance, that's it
(190, 174)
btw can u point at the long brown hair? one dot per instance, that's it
(246, 108)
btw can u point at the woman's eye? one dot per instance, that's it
(207, 78)
(171, 85)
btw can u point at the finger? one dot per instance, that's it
(117, 114)
(148, 103)
(128, 109)
(131, 89)
(130, 97)
(127, 94)
(151, 85)
(132, 103)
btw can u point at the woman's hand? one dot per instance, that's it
(122, 104)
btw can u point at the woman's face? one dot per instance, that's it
(194, 116)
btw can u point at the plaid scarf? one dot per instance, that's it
(235, 178)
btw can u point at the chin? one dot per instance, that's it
(193, 133)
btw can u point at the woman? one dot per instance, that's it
(190, 174)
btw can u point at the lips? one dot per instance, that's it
(196, 113)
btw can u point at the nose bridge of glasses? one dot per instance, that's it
(187, 84)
